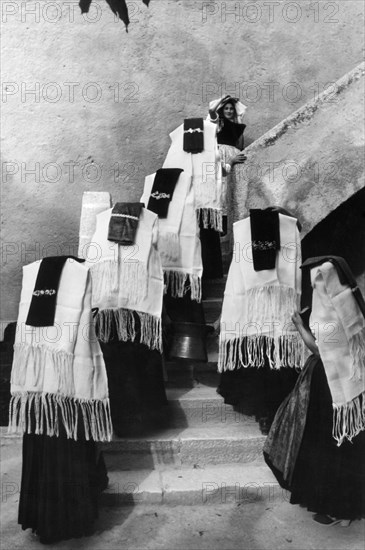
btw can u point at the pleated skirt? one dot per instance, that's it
(325, 478)
(328, 479)
(60, 486)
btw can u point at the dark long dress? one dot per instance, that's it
(211, 252)
(257, 390)
(136, 385)
(327, 479)
(60, 486)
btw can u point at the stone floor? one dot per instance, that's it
(252, 526)
(269, 522)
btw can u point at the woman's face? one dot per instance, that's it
(229, 111)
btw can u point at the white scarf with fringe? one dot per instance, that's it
(205, 170)
(127, 281)
(179, 242)
(339, 327)
(58, 372)
(256, 323)
(169, 228)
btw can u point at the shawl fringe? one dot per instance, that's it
(179, 283)
(254, 351)
(35, 357)
(272, 303)
(47, 411)
(357, 353)
(211, 218)
(111, 275)
(125, 323)
(169, 245)
(349, 419)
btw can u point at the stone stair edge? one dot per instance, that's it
(202, 433)
(220, 432)
(223, 483)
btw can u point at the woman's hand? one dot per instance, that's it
(307, 336)
(238, 159)
(213, 115)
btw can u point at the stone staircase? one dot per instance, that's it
(209, 452)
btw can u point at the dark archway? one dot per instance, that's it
(341, 233)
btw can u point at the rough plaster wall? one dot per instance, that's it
(172, 62)
(312, 164)
(312, 161)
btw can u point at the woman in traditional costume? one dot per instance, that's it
(127, 293)
(228, 112)
(316, 445)
(259, 348)
(59, 401)
(194, 150)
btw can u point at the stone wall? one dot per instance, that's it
(312, 161)
(87, 106)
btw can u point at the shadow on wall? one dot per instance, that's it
(341, 233)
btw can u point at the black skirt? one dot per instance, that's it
(211, 253)
(257, 391)
(328, 479)
(137, 393)
(61, 483)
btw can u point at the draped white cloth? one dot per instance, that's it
(205, 170)
(339, 328)
(60, 367)
(127, 280)
(256, 320)
(169, 227)
(178, 240)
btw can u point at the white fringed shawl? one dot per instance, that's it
(127, 281)
(205, 170)
(58, 372)
(169, 228)
(339, 328)
(257, 306)
(178, 240)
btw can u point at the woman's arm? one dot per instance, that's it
(307, 336)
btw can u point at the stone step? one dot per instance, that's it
(211, 484)
(185, 374)
(202, 406)
(182, 380)
(223, 484)
(186, 448)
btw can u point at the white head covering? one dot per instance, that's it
(240, 108)
(340, 325)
